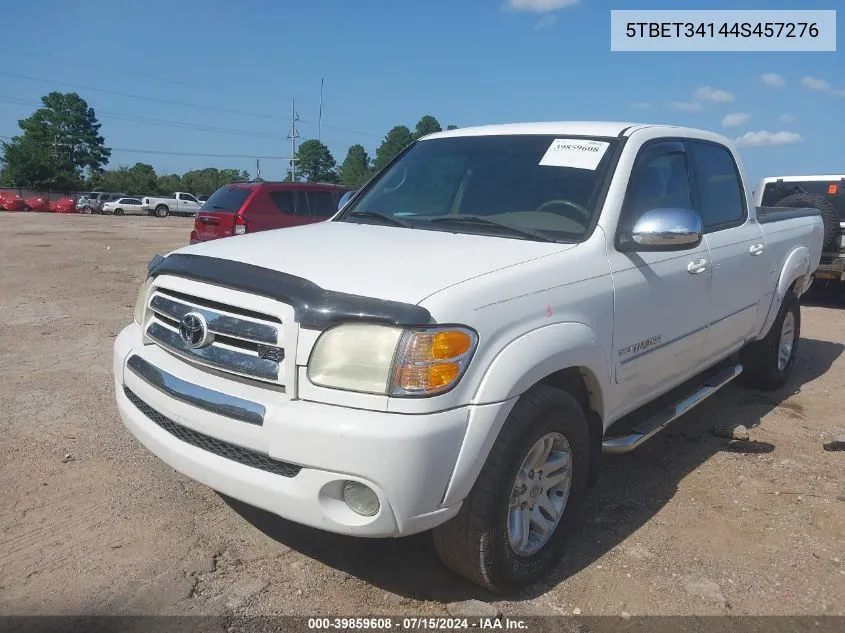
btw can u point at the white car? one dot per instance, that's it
(458, 346)
(124, 206)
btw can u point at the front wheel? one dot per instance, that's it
(162, 211)
(768, 363)
(513, 526)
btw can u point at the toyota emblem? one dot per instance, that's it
(194, 330)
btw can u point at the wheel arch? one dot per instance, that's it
(565, 355)
(794, 277)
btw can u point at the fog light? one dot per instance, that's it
(360, 498)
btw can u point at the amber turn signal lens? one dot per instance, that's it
(442, 374)
(450, 344)
(424, 378)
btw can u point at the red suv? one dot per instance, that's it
(259, 206)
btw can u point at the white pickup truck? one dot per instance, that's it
(179, 203)
(458, 346)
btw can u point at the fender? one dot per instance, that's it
(796, 266)
(521, 364)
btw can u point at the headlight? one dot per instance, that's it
(141, 302)
(390, 360)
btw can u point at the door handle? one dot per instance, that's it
(756, 249)
(697, 266)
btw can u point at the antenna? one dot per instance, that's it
(292, 136)
(320, 115)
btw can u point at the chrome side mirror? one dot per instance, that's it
(667, 229)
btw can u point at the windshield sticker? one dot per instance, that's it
(575, 153)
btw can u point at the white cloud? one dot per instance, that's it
(686, 106)
(815, 84)
(787, 118)
(768, 139)
(773, 79)
(839, 93)
(540, 6)
(545, 22)
(735, 119)
(708, 93)
(641, 105)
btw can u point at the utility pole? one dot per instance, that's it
(258, 169)
(320, 115)
(292, 136)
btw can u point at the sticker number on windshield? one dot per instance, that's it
(575, 153)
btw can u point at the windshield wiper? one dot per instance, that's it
(477, 219)
(385, 219)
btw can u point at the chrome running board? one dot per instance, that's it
(657, 422)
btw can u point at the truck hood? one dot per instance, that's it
(382, 262)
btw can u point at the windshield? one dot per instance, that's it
(543, 184)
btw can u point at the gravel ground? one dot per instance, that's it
(90, 522)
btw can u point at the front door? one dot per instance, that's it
(662, 298)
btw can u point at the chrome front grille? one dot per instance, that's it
(239, 341)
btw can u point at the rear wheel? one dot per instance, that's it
(513, 526)
(162, 211)
(768, 363)
(830, 218)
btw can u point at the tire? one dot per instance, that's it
(162, 211)
(763, 366)
(830, 217)
(475, 543)
(118, 211)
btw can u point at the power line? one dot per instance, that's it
(185, 104)
(174, 82)
(163, 122)
(168, 153)
(118, 71)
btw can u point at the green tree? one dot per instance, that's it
(140, 179)
(355, 170)
(395, 141)
(427, 125)
(451, 127)
(315, 162)
(60, 144)
(168, 183)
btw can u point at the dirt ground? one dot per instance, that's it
(92, 523)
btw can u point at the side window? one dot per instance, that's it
(289, 202)
(721, 202)
(321, 203)
(659, 180)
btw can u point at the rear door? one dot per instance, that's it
(290, 208)
(216, 218)
(322, 204)
(737, 247)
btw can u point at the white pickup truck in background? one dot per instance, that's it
(180, 203)
(825, 193)
(459, 345)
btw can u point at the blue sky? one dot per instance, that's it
(467, 62)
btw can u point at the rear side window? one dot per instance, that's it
(227, 200)
(322, 203)
(721, 202)
(290, 202)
